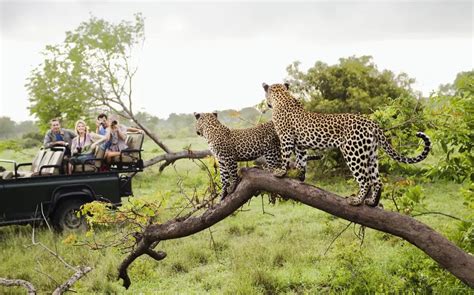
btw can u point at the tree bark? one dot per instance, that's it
(448, 255)
(82, 271)
(21, 283)
(171, 157)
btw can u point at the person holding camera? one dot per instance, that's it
(84, 144)
(115, 137)
(101, 124)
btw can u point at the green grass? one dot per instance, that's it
(251, 252)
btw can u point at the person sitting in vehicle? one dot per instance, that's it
(101, 124)
(115, 139)
(84, 144)
(58, 136)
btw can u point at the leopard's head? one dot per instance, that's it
(275, 92)
(204, 121)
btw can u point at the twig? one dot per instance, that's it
(438, 213)
(393, 199)
(263, 209)
(336, 237)
(213, 245)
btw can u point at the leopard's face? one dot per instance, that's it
(275, 92)
(204, 121)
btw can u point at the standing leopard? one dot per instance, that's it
(230, 146)
(356, 136)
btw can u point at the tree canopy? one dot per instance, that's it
(92, 66)
(353, 85)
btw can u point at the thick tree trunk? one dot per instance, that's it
(448, 255)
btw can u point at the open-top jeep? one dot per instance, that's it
(50, 191)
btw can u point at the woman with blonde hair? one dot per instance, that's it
(84, 144)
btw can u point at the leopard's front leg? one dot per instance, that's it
(228, 173)
(233, 177)
(301, 160)
(286, 146)
(224, 175)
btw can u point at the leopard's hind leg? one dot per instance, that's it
(272, 159)
(357, 161)
(376, 183)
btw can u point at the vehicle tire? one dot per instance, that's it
(65, 216)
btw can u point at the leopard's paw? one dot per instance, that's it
(279, 172)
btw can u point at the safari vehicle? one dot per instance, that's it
(49, 191)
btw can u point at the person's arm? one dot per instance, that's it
(122, 132)
(133, 129)
(96, 139)
(47, 141)
(108, 133)
(74, 146)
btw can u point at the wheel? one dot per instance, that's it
(65, 216)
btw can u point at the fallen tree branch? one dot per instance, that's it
(448, 255)
(82, 271)
(21, 283)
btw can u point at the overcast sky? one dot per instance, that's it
(205, 56)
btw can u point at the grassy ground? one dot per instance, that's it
(261, 249)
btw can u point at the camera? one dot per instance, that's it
(79, 150)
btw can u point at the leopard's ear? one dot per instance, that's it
(265, 86)
(197, 115)
(287, 85)
(215, 113)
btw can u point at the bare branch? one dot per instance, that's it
(171, 157)
(75, 277)
(20, 283)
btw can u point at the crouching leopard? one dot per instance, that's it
(356, 136)
(230, 146)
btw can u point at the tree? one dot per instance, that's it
(355, 85)
(78, 75)
(94, 69)
(450, 113)
(448, 255)
(7, 127)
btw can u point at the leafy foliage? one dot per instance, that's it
(83, 71)
(355, 85)
(451, 116)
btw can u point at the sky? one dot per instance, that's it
(205, 56)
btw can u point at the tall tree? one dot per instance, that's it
(89, 69)
(7, 127)
(353, 85)
(94, 69)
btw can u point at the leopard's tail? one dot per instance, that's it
(383, 142)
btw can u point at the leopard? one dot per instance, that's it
(230, 146)
(356, 136)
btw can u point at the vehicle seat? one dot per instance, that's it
(35, 165)
(89, 167)
(134, 142)
(7, 175)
